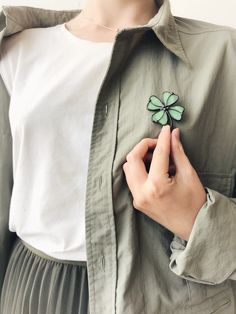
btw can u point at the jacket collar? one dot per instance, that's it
(165, 28)
(16, 18)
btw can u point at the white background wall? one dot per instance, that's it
(214, 11)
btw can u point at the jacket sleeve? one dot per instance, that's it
(6, 181)
(209, 256)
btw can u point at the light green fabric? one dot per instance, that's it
(134, 264)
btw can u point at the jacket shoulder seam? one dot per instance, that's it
(8, 16)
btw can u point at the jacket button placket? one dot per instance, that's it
(100, 226)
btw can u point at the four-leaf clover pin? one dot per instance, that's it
(166, 109)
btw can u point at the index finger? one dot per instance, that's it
(136, 169)
(159, 167)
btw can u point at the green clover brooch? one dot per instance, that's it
(166, 109)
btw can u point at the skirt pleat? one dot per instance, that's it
(38, 284)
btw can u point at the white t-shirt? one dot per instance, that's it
(53, 78)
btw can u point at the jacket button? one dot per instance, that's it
(106, 109)
(100, 182)
(103, 262)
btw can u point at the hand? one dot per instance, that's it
(171, 200)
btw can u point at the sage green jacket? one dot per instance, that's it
(134, 264)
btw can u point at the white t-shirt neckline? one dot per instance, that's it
(80, 40)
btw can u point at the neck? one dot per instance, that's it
(120, 13)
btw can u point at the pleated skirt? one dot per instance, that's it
(36, 283)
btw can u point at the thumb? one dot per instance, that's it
(181, 161)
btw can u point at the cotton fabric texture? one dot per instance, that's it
(36, 283)
(134, 264)
(53, 96)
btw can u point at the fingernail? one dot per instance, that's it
(166, 126)
(163, 128)
(176, 133)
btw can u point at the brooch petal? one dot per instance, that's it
(166, 109)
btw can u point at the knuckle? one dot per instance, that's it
(140, 203)
(135, 205)
(125, 165)
(146, 141)
(171, 181)
(143, 140)
(156, 191)
(153, 191)
(129, 156)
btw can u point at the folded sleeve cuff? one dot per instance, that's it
(209, 256)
